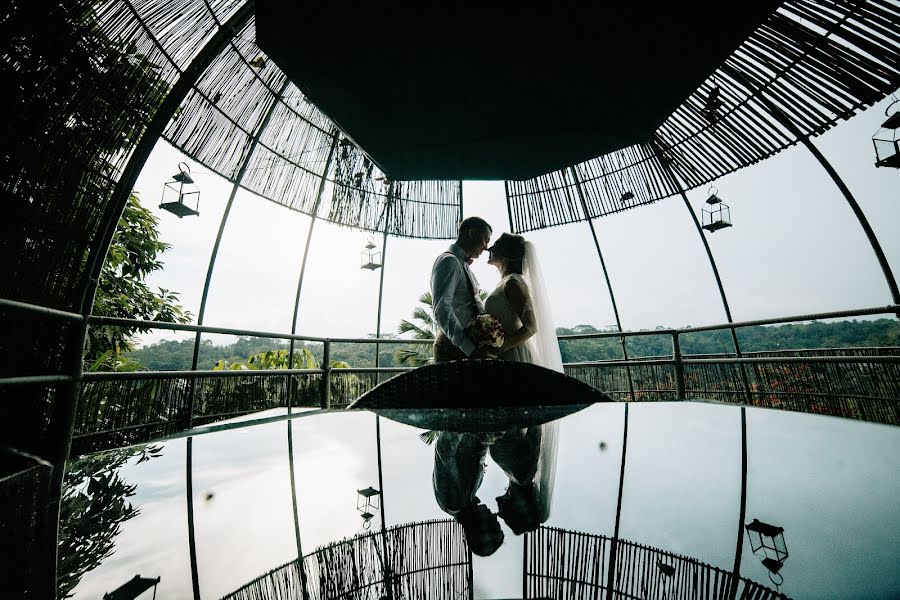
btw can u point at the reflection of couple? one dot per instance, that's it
(527, 456)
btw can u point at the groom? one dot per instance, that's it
(454, 292)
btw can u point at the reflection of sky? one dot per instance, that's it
(832, 484)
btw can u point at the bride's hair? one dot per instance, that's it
(511, 247)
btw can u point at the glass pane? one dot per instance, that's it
(242, 499)
(682, 488)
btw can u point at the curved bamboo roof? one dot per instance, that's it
(810, 64)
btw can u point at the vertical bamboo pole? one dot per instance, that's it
(614, 543)
(612, 296)
(248, 155)
(309, 232)
(387, 220)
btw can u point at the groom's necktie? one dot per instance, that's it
(473, 283)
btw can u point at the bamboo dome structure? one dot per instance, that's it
(94, 85)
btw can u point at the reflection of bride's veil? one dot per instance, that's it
(545, 352)
(545, 477)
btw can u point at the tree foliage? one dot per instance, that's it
(272, 359)
(123, 292)
(840, 334)
(175, 355)
(93, 507)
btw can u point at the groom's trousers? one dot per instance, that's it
(444, 350)
(459, 463)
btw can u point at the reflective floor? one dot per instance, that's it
(244, 498)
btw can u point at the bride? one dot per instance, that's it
(521, 305)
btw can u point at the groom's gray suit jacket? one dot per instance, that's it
(453, 289)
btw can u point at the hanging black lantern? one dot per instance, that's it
(370, 257)
(366, 503)
(718, 215)
(181, 196)
(767, 543)
(887, 139)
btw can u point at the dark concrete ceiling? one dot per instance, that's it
(452, 92)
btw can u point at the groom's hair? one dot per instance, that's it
(472, 224)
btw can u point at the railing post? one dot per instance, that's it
(679, 367)
(326, 376)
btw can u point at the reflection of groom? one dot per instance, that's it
(454, 292)
(459, 468)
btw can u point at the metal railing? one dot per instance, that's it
(677, 376)
(678, 360)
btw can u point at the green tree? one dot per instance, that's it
(271, 359)
(123, 292)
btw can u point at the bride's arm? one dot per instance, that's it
(520, 300)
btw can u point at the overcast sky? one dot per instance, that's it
(795, 248)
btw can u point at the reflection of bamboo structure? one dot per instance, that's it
(427, 560)
(431, 560)
(571, 564)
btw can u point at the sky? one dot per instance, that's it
(795, 248)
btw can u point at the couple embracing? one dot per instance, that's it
(519, 302)
(526, 455)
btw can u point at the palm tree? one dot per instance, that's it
(423, 327)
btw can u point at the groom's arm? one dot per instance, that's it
(444, 280)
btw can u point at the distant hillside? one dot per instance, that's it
(176, 355)
(171, 355)
(841, 334)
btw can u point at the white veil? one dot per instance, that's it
(544, 348)
(543, 344)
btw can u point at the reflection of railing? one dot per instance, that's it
(120, 408)
(568, 564)
(425, 560)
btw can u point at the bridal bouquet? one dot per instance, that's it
(486, 331)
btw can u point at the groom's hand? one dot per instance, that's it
(482, 352)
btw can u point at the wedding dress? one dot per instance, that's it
(542, 348)
(498, 305)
